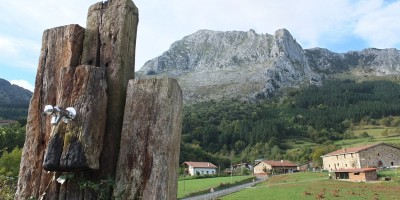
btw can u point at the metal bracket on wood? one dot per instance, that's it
(59, 113)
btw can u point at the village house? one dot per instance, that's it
(377, 155)
(200, 168)
(308, 166)
(7, 122)
(357, 174)
(239, 168)
(242, 166)
(273, 166)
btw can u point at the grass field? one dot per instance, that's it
(375, 133)
(187, 187)
(317, 186)
(296, 142)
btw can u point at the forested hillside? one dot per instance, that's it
(247, 131)
(14, 101)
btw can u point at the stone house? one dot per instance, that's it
(376, 155)
(273, 166)
(200, 168)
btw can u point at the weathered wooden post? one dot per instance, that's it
(96, 89)
(88, 70)
(150, 143)
(110, 41)
(59, 57)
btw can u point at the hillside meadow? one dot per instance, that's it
(317, 186)
(190, 186)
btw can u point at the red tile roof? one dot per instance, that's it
(279, 163)
(352, 149)
(356, 170)
(200, 164)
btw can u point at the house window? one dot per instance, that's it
(329, 165)
(337, 157)
(378, 154)
(346, 165)
(351, 155)
(391, 163)
(338, 164)
(356, 173)
(344, 155)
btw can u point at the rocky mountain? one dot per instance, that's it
(14, 100)
(246, 65)
(13, 94)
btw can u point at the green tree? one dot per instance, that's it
(320, 150)
(276, 153)
(9, 162)
(7, 188)
(239, 145)
(11, 136)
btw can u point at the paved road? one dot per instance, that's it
(219, 193)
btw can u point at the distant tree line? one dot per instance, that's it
(13, 112)
(244, 131)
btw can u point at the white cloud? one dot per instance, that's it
(379, 27)
(24, 84)
(7, 47)
(19, 52)
(311, 22)
(162, 22)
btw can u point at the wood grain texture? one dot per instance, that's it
(150, 143)
(88, 70)
(60, 52)
(110, 41)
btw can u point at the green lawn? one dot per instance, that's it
(363, 141)
(186, 187)
(317, 186)
(377, 131)
(296, 142)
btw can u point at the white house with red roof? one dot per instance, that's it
(200, 168)
(365, 156)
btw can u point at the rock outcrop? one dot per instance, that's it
(246, 65)
(216, 65)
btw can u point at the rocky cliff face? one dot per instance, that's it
(246, 65)
(372, 61)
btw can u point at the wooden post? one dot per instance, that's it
(150, 143)
(110, 40)
(61, 49)
(89, 70)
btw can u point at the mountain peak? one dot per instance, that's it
(246, 65)
(282, 33)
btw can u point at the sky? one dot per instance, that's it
(338, 25)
